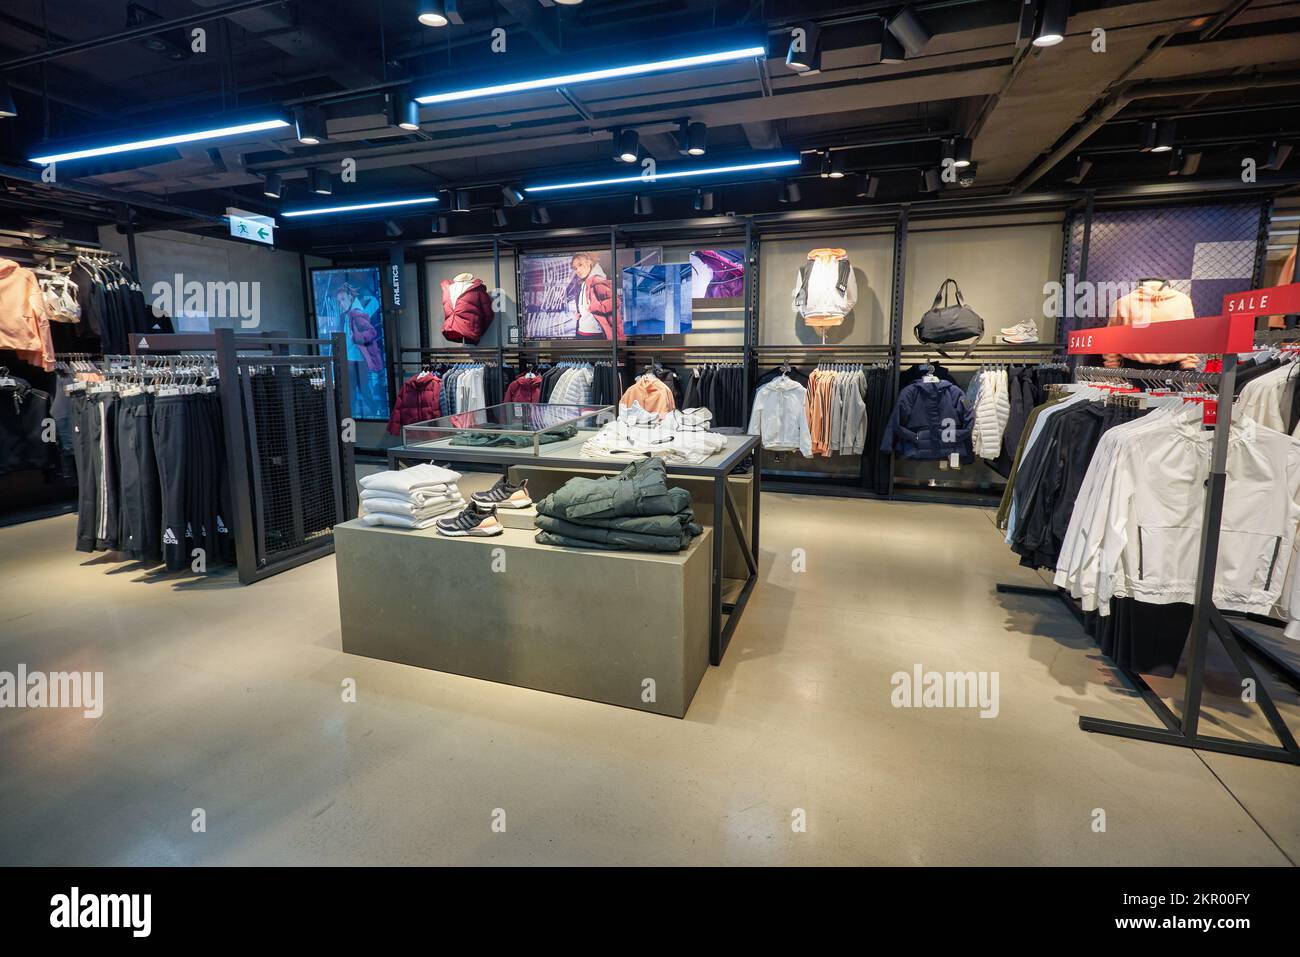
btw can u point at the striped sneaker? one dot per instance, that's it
(470, 522)
(503, 495)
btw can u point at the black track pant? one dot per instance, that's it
(140, 515)
(171, 439)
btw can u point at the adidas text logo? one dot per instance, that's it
(169, 537)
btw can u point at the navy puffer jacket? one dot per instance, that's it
(932, 420)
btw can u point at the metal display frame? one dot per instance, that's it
(233, 359)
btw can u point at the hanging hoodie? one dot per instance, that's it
(825, 289)
(466, 308)
(24, 323)
(1145, 306)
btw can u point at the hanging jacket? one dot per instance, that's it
(525, 388)
(1144, 307)
(417, 401)
(992, 410)
(466, 309)
(780, 418)
(825, 285)
(24, 323)
(931, 420)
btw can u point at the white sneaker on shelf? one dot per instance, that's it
(1021, 333)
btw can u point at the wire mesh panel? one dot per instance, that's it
(1205, 252)
(294, 458)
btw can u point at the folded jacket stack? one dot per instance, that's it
(632, 511)
(410, 498)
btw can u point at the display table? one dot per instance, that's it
(616, 627)
(723, 470)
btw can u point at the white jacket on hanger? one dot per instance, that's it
(780, 418)
(992, 410)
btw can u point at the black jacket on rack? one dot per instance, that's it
(113, 305)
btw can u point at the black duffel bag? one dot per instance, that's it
(946, 323)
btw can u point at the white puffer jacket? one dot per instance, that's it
(823, 295)
(992, 411)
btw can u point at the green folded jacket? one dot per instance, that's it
(640, 489)
(488, 439)
(669, 534)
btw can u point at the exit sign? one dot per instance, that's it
(251, 226)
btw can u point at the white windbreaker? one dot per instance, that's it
(823, 297)
(1139, 517)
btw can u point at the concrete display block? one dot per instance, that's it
(590, 624)
(543, 480)
(525, 518)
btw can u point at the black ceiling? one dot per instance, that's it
(1227, 70)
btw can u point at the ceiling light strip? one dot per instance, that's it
(672, 174)
(356, 207)
(159, 141)
(570, 79)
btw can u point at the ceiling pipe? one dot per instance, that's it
(1131, 92)
(135, 33)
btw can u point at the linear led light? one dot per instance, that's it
(355, 207)
(569, 79)
(161, 141)
(672, 174)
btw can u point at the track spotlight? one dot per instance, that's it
(961, 152)
(1188, 162)
(565, 3)
(1158, 136)
(805, 53)
(882, 46)
(392, 228)
(499, 218)
(318, 181)
(692, 139)
(966, 178)
(703, 201)
(8, 109)
(309, 122)
(826, 165)
(909, 30)
(541, 216)
(433, 13)
(643, 206)
(271, 186)
(441, 225)
(1082, 166)
(627, 146)
(837, 166)
(402, 111)
(867, 186)
(460, 201)
(512, 195)
(1053, 16)
(1278, 154)
(930, 180)
(790, 192)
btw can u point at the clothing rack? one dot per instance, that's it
(253, 450)
(1165, 376)
(1185, 731)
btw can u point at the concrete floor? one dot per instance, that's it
(228, 699)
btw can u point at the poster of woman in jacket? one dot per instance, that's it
(350, 301)
(571, 296)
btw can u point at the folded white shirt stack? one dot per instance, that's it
(682, 435)
(410, 498)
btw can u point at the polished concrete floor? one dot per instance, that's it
(228, 699)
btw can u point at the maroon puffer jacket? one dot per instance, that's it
(416, 402)
(467, 317)
(365, 335)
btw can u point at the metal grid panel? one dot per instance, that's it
(1205, 251)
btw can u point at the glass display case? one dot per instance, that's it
(526, 427)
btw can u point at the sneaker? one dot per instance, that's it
(1026, 328)
(1021, 339)
(470, 522)
(503, 495)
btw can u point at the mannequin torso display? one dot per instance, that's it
(825, 289)
(466, 308)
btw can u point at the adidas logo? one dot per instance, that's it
(169, 538)
(221, 526)
(189, 531)
(143, 343)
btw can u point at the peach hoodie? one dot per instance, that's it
(24, 324)
(1143, 307)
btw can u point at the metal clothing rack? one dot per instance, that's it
(238, 359)
(1236, 328)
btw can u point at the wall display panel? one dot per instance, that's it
(1002, 272)
(571, 295)
(1205, 252)
(479, 265)
(350, 301)
(871, 259)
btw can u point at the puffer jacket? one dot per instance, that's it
(825, 285)
(466, 309)
(992, 409)
(932, 420)
(366, 336)
(416, 402)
